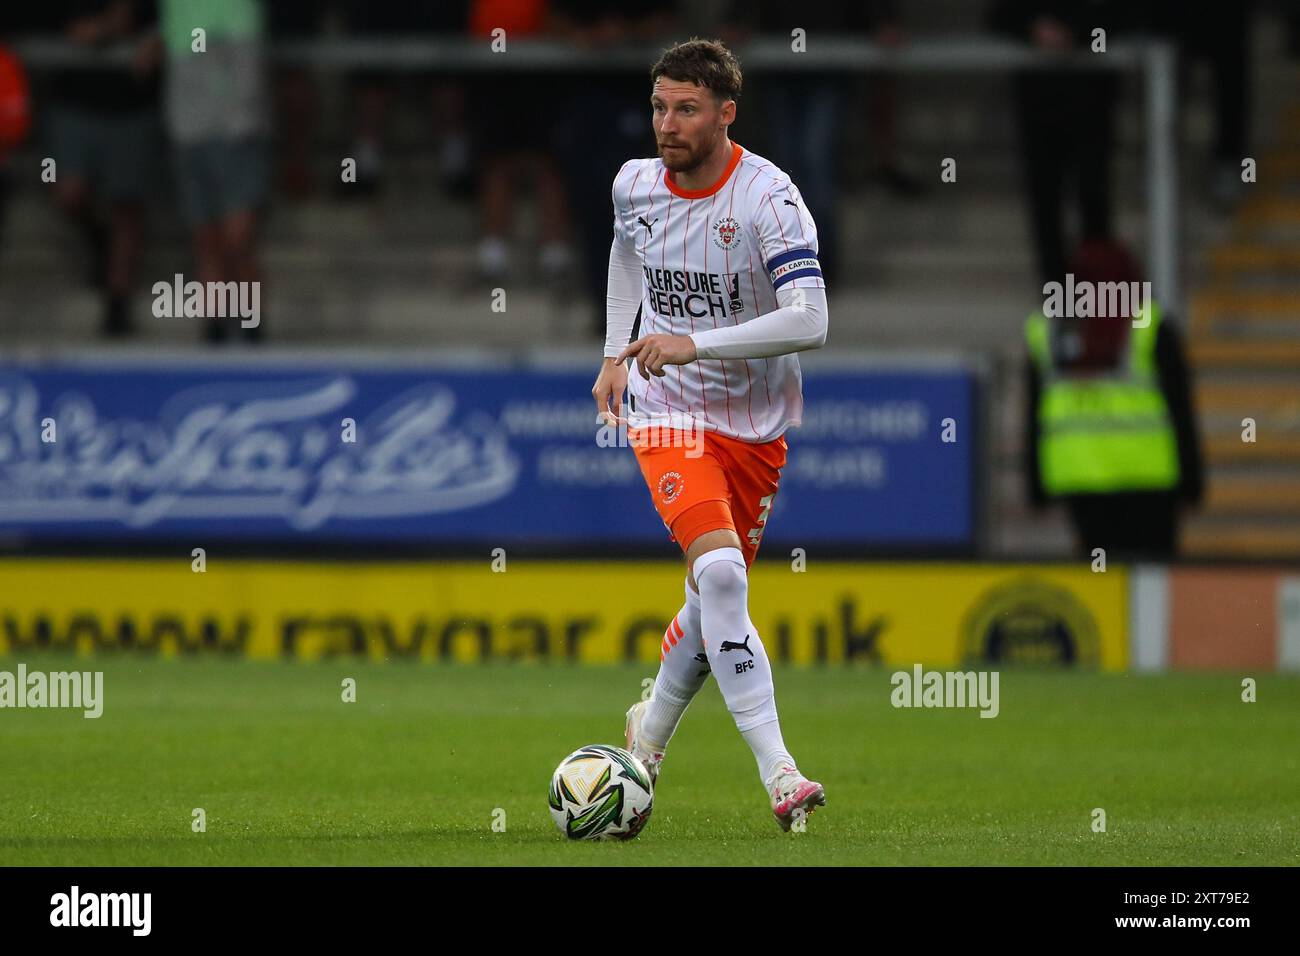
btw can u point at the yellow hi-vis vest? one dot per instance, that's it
(1107, 432)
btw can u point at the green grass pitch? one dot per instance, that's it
(412, 772)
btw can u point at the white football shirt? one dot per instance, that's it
(711, 258)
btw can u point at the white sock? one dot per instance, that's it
(735, 651)
(769, 750)
(681, 674)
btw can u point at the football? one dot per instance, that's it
(600, 793)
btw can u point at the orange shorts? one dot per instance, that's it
(714, 483)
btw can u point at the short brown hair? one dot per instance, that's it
(706, 63)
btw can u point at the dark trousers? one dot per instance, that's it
(1065, 124)
(4, 199)
(806, 135)
(1221, 36)
(1128, 525)
(591, 161)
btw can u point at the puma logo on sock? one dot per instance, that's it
(737, 646)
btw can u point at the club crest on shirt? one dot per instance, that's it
(670, 487)
(726, 233)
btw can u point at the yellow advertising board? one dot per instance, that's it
(890, 613)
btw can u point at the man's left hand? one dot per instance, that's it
(653, 352)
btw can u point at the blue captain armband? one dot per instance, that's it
(794, 264)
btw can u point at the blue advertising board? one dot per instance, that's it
(425, 455)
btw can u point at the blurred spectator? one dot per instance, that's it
(1110, 427)
(808, 141)
(373, 89)
(217, 119)
(15, 119)
(104, 139)
(1219, 36)
(295, 97)
(882, 106)
(606, 121)
(512, 117)
(1065, 121)
(448, 99)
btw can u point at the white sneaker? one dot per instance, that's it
(791, 792)
(493, 259)
(632, 730)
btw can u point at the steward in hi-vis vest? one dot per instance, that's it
(1103, 431)
(1110, 429)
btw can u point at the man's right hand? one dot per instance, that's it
(608, 391)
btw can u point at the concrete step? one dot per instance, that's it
(1235, 537)
(1269, 448)
(1279, 399)
(1270, 210)
(1222, 354)
(1274, 305)
(1253, 494)
(1256, 258)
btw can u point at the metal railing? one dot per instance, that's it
(1154, 60)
